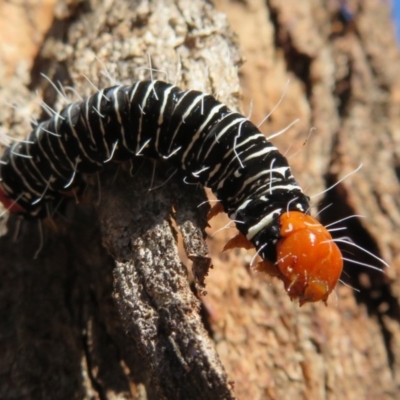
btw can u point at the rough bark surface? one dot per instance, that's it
(107, 310)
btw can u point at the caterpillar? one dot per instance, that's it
(199, 135)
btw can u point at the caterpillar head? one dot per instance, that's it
(309, 262)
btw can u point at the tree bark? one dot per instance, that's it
(108, 310)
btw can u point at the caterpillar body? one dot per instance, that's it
(208, 142)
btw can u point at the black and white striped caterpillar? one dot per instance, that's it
(218, 148)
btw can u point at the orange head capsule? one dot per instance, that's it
(309, 261)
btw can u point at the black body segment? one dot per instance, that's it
(199, 135)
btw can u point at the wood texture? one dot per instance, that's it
(108, 311)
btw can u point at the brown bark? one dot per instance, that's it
(113, 315)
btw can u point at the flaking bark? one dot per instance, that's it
(113, 316)
(132, 317)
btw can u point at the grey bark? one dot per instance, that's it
(82, 323)
(66, 327)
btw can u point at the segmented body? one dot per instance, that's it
(212, 145)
